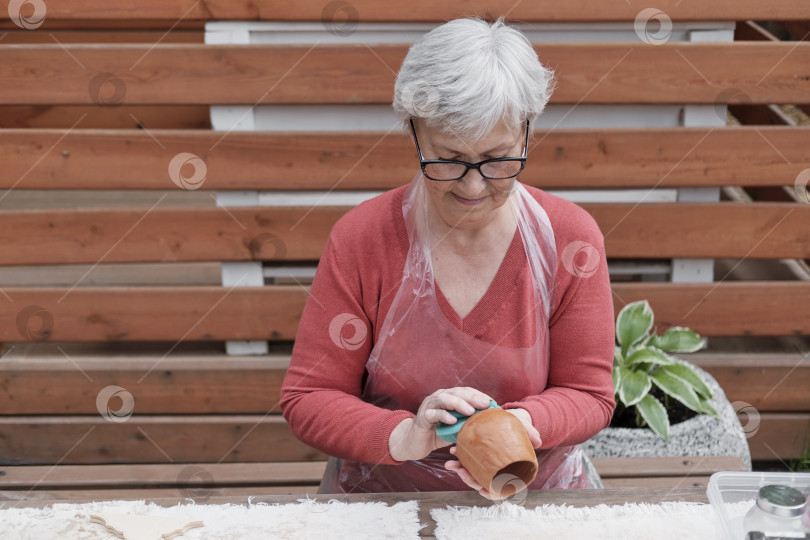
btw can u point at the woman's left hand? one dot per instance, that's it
(534, 437)
(526, 419)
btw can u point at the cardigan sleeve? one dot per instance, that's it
(320, 395)
(579, 399)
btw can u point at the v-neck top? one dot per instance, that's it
(357, 278)
(512, 272)
(505, 280)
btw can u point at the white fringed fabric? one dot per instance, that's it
(306, 520)
(677, 521)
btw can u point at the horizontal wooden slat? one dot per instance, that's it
(217, 313)
(94, 117)
(200, 496)
(559, 158)
(764, 230)
(420, 10)
(125, 24)
(255, 438)
(660, 230)
(206, 476)
(178, 385)
(210, 478)
(150, 439)
(767, 382)
(254, 74)
(131, 314)
(658, 482)
(666, 466)
(102, 36)
(166, 234)
(244, 385)
(727, 308)
(776, 436)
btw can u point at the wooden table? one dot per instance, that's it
(439, 499)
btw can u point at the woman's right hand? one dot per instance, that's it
(415, 438)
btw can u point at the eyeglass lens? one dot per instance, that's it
(493, 169)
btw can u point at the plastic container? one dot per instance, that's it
(727, 490)
(806, 518)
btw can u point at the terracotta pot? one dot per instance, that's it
(494, 447)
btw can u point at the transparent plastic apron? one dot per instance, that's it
(419, 351)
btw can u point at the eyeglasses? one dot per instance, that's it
(491, 169)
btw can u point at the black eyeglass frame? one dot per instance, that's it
(477, 166)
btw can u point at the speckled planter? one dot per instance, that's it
(699, 436)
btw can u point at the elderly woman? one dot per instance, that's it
(460, 287)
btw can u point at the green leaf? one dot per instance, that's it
(646, 367)
(640, 356)
(617, 381)
(706, 408)
(679, 339)
(655, 415)
(663, 358)
(687, 373)
(635, 385)
(633, 323)
(618, 357)
(677, 388)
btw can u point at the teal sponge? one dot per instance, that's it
(448, 432)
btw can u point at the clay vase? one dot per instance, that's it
(494, 447)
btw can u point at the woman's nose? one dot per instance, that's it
(472, 183)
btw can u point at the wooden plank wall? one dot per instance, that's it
(56, 137)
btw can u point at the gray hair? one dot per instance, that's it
(467, 75)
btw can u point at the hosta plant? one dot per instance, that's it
(641, 364)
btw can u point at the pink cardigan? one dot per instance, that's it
(359, 274)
